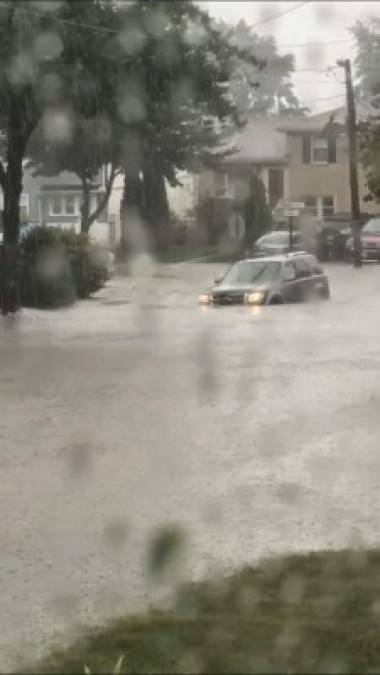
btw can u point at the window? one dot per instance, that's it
(320, 207)
(56, 206)
(70, 205)
(373, 226)
(319, 151)
(303, 269)
(248, 272)
(328, 206)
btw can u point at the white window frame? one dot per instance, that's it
(319, 208)
(75, 202)
(63, 201)
(319, 143)
(52, 199)
(327, 207)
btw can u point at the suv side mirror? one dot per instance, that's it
(290, 274)
(218, 280)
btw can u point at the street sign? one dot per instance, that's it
(289, 213)
(294, 205)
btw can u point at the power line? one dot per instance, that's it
(325, 98)
(316, 44)
(112, 31)
(277, 16)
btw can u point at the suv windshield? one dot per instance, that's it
(250, 271)
(373, 226)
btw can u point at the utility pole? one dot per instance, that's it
(354, 183)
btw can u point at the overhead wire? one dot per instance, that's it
(113, 31)
(263, 73)
(280, 14)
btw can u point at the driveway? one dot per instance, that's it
(256, 430)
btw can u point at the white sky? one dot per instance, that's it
(311, 22)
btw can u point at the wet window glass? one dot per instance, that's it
(248, 272)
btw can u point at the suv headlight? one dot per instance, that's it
(255, 298)
(205, 299)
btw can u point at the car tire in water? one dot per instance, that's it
(276, 300)
(324, 293)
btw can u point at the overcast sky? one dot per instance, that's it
(310, 22)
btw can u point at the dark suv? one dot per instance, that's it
(292, 277)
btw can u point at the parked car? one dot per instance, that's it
(370, 241)
(277, 242)
(331, 240)
(290, 277)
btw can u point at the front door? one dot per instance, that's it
(275, 186)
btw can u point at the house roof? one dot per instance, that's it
(66, 180)
(316, 123)
(259, 142)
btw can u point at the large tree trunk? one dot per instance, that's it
(105, 198)
(130, 214)
(85, 206)
(156, 206)
(11, 181)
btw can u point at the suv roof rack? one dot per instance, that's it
(294, 254)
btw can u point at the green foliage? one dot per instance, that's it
(313, 613)
(261, 91)
(370, 156)
(57, 266)
(367, 36)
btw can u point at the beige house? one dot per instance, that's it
(298, 159)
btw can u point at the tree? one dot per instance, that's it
(266, 91)
(48, 74)
(95, 139)
(368, 86)
(89, 152)
(367, 36)
(176, 96)
(257, 214)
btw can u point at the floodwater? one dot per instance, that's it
(255, 430)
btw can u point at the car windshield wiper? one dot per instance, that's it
(259, 274)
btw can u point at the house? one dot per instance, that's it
(301, 159)
(259, 147)
(317, 170)
(56, 201)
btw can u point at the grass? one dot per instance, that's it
(179, 254)
(309, 613)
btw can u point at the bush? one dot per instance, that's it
(57, 266)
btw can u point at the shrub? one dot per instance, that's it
(57, 266)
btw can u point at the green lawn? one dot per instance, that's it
(314, 613)
(199, 254)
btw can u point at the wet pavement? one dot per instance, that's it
(256, 430)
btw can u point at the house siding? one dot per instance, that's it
(324, 179)
(41, 190)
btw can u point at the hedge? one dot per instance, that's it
(57, 266)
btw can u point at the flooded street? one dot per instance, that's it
(256, 430)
